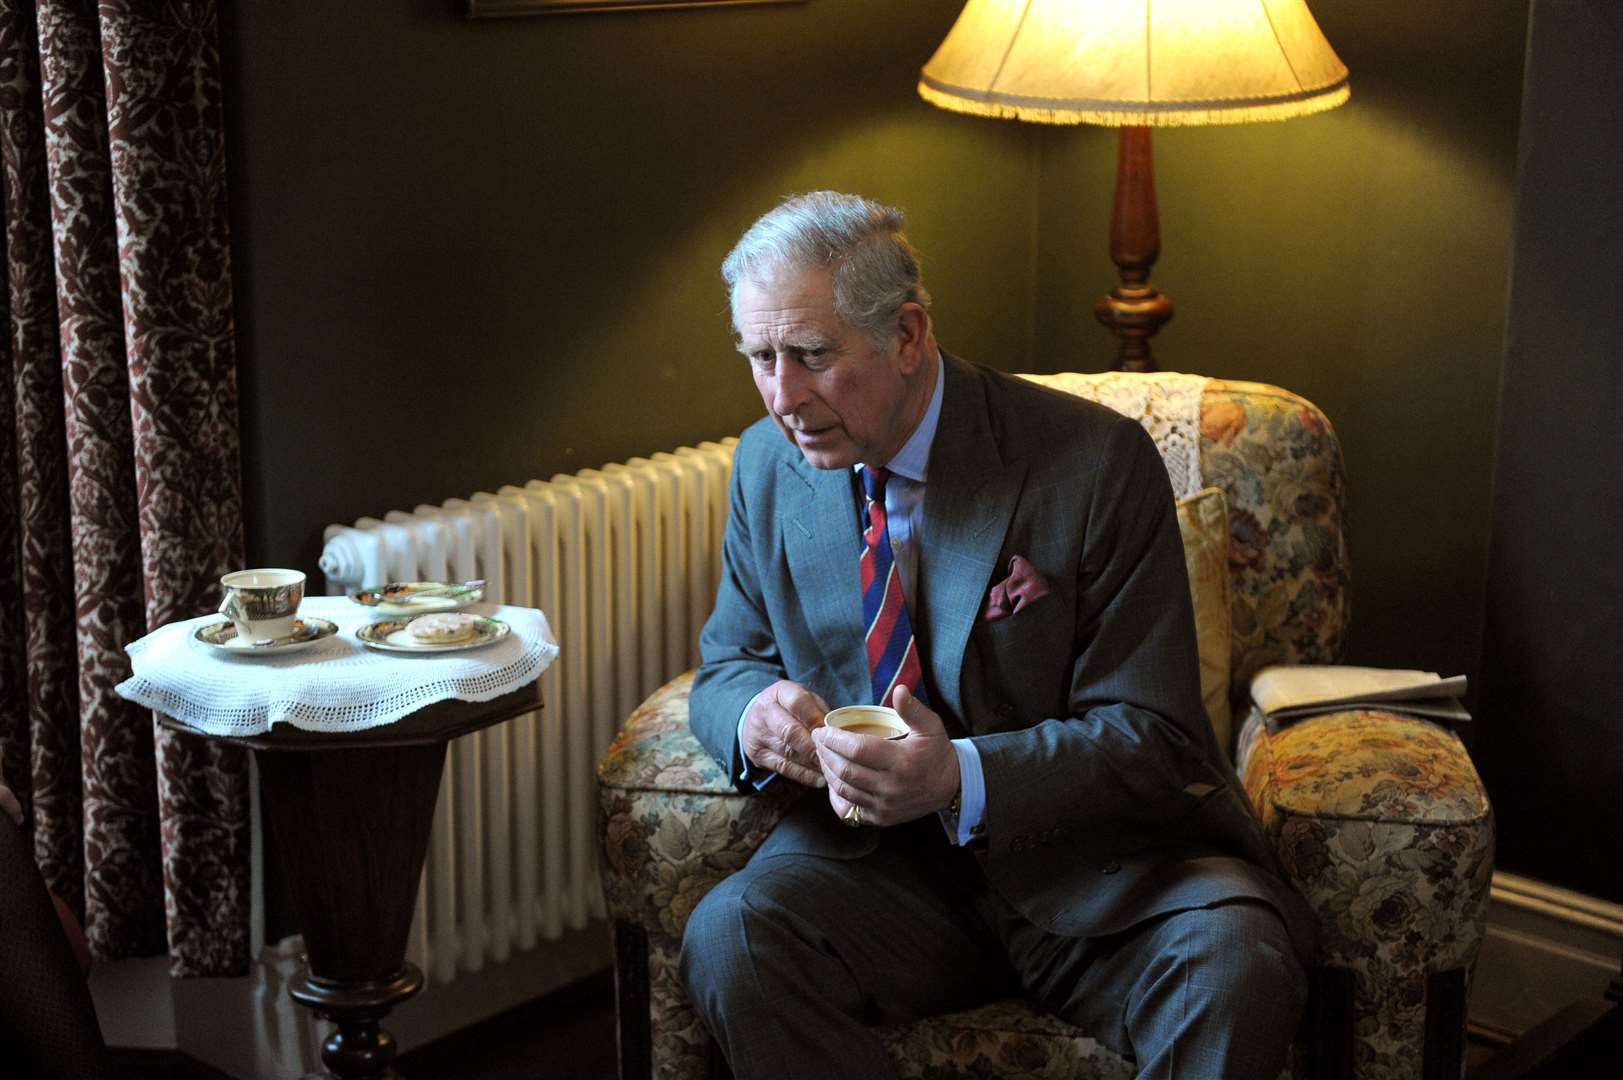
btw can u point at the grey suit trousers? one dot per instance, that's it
(794, 959)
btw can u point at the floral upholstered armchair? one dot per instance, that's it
(1379, 818)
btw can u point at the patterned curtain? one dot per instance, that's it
(120, 489)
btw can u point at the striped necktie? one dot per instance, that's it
(893, 656)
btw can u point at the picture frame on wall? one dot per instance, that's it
(502, 9)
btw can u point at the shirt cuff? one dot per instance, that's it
(967, 825)
(758, 778)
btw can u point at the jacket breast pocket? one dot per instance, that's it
(1025, 659)
(1034, 622)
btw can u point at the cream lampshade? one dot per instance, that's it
(1135, 65)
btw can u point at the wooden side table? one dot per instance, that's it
(352, 813)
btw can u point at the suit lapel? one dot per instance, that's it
(969, 500)
(819, 525)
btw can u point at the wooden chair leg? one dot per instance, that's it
(631, 1002)
(1445, 1025)
(1330, 1024)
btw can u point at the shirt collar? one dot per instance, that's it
(912, 461)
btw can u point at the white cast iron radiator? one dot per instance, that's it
(624, 561)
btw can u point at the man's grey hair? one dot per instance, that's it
(876, 269)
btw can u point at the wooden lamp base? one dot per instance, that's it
(1134, 310)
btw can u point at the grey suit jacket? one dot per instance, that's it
(1108, 800)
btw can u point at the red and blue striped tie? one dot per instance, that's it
(893, 655)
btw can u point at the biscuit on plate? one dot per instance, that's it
(443, 629)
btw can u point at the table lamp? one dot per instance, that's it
(1135, 65)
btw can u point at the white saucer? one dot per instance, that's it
(222, 636)
(396, 599)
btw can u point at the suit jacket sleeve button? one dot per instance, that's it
(1110, 868)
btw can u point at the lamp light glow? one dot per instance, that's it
(1170, 63)
(1135, 65)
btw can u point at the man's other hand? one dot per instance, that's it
(893, 780)
(778, 731)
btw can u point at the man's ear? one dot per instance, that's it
(912, 336)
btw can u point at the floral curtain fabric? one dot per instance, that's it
(120, 490)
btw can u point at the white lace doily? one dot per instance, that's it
(337, 684)
(1167, 403)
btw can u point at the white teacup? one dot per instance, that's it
(875, 720)
(263, 604)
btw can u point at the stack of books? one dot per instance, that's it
(1288, 693)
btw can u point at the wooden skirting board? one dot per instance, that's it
(1547, 948)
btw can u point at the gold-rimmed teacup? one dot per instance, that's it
(262, 603)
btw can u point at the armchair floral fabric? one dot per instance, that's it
(1380, 819)
(1382, 824)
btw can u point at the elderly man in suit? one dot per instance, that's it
(1002, 564)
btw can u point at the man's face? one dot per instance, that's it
(835, 396)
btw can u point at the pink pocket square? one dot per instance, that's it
(1023, 586)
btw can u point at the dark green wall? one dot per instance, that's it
(508, 231)
(1359, 257)
(1552, 708)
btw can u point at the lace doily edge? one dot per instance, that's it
(143, 692)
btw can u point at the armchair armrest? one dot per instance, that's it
(1382, 823)
(671, 825)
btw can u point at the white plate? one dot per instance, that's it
(395, 599)
(222, 637)
(391, 635)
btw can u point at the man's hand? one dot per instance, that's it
(894, 781)
(778, 731)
